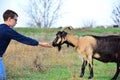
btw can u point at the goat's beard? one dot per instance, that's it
(67, 43)
(59, 47)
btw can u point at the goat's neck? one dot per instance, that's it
(73, 39)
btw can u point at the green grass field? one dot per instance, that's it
(20, 59)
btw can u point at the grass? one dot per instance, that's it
(20, 59)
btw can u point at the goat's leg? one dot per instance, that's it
(90, 67)
(83, 68)
(91, 72)
(117, 71)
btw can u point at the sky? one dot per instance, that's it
(77, 12)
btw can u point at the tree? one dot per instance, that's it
(89, 23)
(116, 14)
(43, 13)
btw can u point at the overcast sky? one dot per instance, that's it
(77, 12)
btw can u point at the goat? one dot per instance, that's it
(89, 47)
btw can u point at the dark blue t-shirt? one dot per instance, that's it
(7, 33)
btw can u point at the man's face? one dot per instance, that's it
(12, 21)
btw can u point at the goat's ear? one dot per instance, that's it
(64, 34)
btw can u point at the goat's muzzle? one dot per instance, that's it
(56, 45)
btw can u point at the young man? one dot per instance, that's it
(7, 34)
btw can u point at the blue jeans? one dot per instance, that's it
(2, 70)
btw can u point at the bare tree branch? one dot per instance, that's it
(89, 23)
(116, 14)
(44, 13)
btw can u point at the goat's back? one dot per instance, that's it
(108, 47)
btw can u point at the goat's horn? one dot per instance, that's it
(67, 27)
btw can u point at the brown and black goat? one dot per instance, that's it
(102, 48)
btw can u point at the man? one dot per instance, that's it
(7, 34)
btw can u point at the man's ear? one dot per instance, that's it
(9, 18)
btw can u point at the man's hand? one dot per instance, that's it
(45, 44)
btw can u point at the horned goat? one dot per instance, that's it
(102, 48)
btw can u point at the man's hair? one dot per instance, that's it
(9, 13)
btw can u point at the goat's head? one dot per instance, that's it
(61, 39)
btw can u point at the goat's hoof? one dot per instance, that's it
(90, 77)
(113, 79)
(81, 75)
